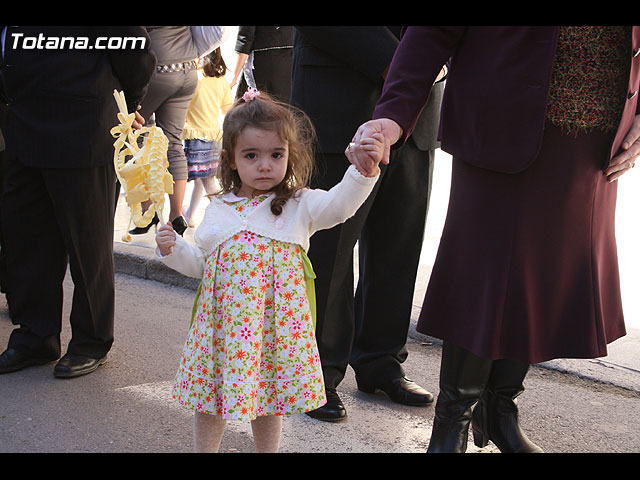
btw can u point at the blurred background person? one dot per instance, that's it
(166, 103)
(265, 55)
(202, 132)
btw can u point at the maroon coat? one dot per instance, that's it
(527, 264)
(496, 94)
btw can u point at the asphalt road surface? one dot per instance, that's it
(126, 406)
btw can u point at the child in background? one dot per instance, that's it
(251, 352)
(202, 134)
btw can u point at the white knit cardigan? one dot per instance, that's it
(311, 210)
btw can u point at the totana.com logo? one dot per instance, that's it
(42, 42)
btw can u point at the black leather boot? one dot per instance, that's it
(495, 417)
(463, 376)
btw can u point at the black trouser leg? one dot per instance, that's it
(389, 246)
(36, 261)
(331, 254)
(70, 214)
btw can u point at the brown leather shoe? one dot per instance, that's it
(401, 390)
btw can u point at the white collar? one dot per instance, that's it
(231, 197)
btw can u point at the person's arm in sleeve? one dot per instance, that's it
(326, 209)
(133, 66)
(244, 45)
(416, 66)
(329, 208)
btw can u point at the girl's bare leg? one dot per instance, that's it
(267, 432)
(207, 432)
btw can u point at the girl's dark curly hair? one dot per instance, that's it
(294, 128)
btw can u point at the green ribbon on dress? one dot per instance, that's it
(195, 304)
(309, 276)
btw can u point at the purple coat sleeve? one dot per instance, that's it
(409, 82)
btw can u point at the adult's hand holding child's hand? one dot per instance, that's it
(372, 144)
(367, 154)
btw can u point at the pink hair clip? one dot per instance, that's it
(250, 94)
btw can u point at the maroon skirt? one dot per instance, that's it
(527, 266)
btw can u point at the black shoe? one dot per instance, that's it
(143, 230)
(13, 360)
(332, 411)
(179, 225)
(72, 365)
(401, 390)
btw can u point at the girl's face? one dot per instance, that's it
(260, 157)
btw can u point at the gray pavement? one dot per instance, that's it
(570, 406)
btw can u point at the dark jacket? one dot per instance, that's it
(60, 100)
(338, 77)
(263, 37)
(496, 94)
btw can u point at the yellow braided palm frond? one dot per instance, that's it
(144, 176)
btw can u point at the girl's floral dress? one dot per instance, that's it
(251, 350)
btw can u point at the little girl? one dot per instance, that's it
(201, 133)
(251, 352)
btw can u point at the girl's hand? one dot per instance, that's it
(367, 154)
(390, 132)
(165, 239)
(624, 162)
(389, 129)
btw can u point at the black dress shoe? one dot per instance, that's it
(13, 360)
(72, 365)
(332, 411)
(401, 390)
